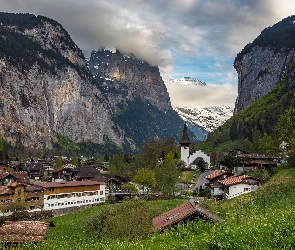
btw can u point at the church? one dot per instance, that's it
(185, 150)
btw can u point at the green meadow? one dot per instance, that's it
(264, 219)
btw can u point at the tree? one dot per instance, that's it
(129, 187)
(285, 135)
(58, 162)
(146, 178)
(167, 174)
(75, 161)
(231, 160)
(266, 145)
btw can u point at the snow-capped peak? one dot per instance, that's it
(184, 80)
(210, 118)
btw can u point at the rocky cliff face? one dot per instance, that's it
(263, 64)
(46, 87)
(124, 77)
(137, 95)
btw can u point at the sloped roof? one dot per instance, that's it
(23, 231)
(173, 216)
(236, 179)
(67, 184)
(216, 173)
(180, 213)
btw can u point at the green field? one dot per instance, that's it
(264, 219)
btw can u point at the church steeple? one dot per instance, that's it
(184, 139)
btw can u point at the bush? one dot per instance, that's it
(129, 219)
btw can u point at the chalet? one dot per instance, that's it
(249, 161)
(184, 212)
(113, 182)
(214, 181)
(15, 191)
(254, 161)
(85, 173)
(20, 177)
(63, 173)
(59, 195)
(237, 185)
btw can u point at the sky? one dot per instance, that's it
(195, 38)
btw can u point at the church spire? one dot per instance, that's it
(184, 139)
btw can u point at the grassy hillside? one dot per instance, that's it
(263, 219)
(245, 128)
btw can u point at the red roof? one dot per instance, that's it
(180, 213)
(236, 179)
(23, 231)
(67, 184)
(216, 173)
(173, 216)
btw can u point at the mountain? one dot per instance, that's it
(204, 120)
(137, 95)
(265, 62)
(266, 71)
(48, 92)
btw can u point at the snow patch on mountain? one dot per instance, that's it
(209, 118)
(184, 80)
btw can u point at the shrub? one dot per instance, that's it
(129, 219)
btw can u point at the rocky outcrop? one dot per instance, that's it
(137, 96)
(263, 64)
(128, 78)
(47, 89)
(51, 91)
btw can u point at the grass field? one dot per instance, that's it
(264, 219)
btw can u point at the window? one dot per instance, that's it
(101, 192)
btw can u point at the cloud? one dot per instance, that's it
(197, 38)
(151, 28)
(191, 95)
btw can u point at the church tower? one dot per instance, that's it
(185, 143)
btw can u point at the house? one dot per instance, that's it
(184, 212)
(20, 177)
(15, 192)
(254, 161)
(113, 182)
(214, 181)
(15, 232)
(62, 195)
(85, 173)
(63, 173)
(249, 161)
(237, 185)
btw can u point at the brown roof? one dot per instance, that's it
(216, 173)
(67, 184)
(23, 231)
(21, 177)
(173, 216)
(180, 213)
(236, 179)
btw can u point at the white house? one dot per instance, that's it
(237, 185)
